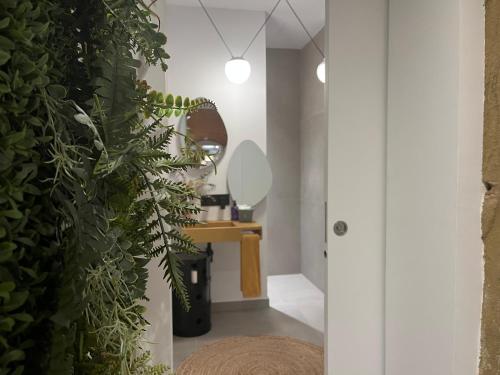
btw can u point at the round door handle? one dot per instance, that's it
(340, 228)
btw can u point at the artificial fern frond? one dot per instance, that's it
(171, 265)
(153, 155)
(169, 260)
(159, 141)
(183, 240)
(177, 163)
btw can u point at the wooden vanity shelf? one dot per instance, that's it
(221, 231)
(249, 236)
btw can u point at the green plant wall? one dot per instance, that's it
(30, 257)
(85, 194)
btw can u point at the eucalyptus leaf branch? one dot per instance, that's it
(148, 7)
(113, 13)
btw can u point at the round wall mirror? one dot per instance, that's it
(205, 128)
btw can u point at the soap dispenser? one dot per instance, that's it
(234, 212)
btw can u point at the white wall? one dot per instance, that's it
(196, 69)
(356, 59)
(158, 337)
(297, 150)
(159, 307)
(313, 160)
(434, 189)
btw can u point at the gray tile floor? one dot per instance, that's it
(246, 323)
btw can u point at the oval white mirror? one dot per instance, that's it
(249, 174)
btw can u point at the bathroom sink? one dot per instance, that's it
(221, 231)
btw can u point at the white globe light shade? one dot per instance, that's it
(238, 70)
(321, 72)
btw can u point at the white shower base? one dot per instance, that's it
(297, 297)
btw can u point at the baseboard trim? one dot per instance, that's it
(254, 304)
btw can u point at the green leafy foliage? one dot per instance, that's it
(30, 257)
(86, 197)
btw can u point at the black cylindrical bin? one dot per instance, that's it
(196, 274)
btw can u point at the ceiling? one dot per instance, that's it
(283, 29)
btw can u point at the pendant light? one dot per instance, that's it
(321, 69)
(238, 69)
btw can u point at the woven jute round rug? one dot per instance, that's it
(263, 355)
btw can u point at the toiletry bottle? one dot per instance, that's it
(234, 212)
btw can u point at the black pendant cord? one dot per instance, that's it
(217, 29)
(305, 29)
(263, 25)
(222, 37)
(268, 17)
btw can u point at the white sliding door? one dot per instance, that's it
(405, 98)
(357, 66)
